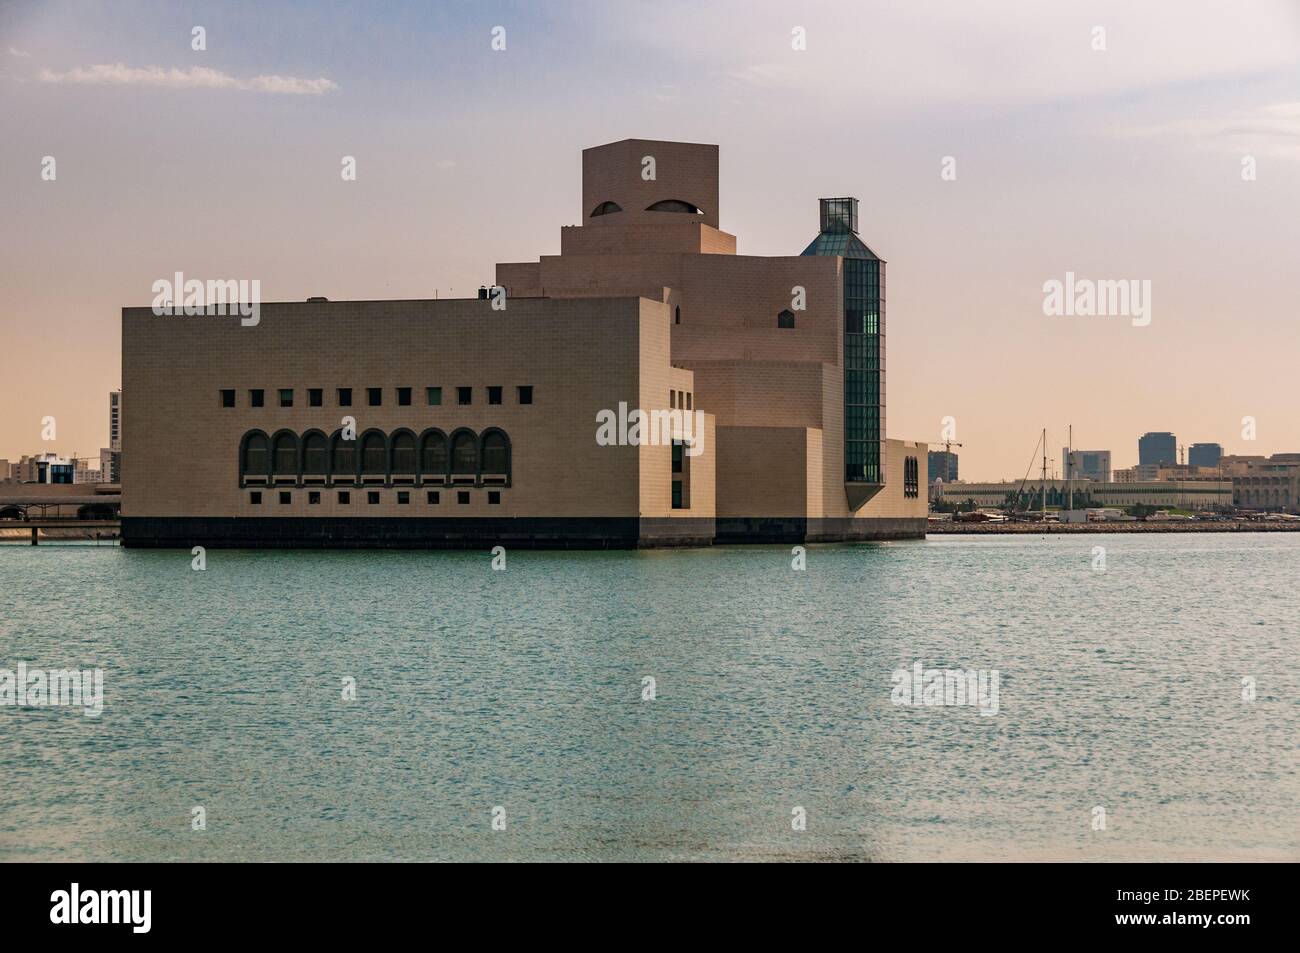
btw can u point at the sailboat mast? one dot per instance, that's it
(1069, 473)
(1042, 486)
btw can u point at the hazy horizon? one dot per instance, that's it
(1122, 163)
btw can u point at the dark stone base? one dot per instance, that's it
(849, 530)
(413, 532)
(183, 532)
(775, 529)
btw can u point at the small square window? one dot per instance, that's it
(315, 397)
(227, 398)
(372, 497)
(464, 395)
(433, 496)
(494, 395)
(285, 497)
(494, 497)
(345, 396)
(256, 398)
(462, 496)
(434, 395)
(526, 394)
(403, 397)
(255, 498)
(313, 497)
(345, 497)
(403, 497)
(375, 396)
(286, 397)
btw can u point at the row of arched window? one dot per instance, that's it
(1264, 497)
(375, 457)
(667, 205)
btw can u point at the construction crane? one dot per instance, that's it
(947, 449)
(947, 445)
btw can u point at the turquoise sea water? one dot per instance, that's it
(522, 689)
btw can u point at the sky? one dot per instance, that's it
(1106, 139)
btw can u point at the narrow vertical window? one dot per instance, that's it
(681, 477)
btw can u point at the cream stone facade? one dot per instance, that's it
(478, 421)
(1271, 484)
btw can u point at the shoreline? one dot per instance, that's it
(994, 529)
(56, 534)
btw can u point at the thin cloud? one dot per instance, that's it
(891, 57)
(196, 77)
(22, 53)
(769, 75)
(1272, 130)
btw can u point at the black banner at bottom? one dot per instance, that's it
(1217, 903)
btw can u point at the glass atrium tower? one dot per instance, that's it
(864, 347)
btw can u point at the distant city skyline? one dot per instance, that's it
(1125, 163)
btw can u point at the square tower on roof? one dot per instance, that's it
(648, 181)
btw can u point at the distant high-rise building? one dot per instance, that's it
(1157, 447)
(45, 468)
(942, 466)
(1086, 464)
(115, 420)
(83, 472)
(1204, 454)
